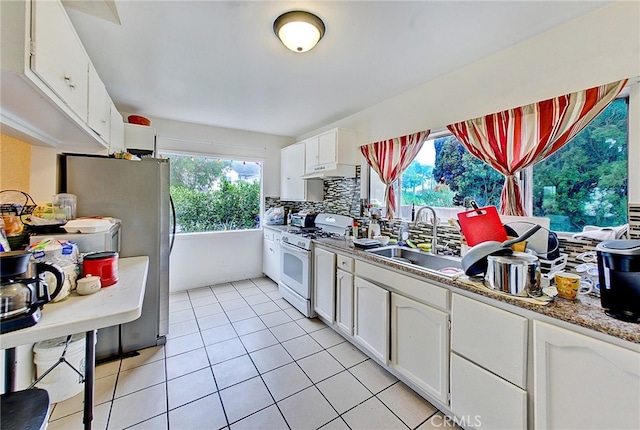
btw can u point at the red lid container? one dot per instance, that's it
(102, 264)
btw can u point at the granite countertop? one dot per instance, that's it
(585, 311)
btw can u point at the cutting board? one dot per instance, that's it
(482, 225)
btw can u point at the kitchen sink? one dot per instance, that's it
(416, 257)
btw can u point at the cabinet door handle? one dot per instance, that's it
(67, 78)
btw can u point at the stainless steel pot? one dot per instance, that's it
(474, 262)
(517, 274)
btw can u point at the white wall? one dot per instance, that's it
(597, 48)
(201, 259)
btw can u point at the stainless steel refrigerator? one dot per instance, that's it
(137, 192)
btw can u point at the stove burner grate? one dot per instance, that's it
(313, 233)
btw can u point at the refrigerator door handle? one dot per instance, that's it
(173, 224)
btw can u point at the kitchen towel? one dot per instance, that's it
(603, 233)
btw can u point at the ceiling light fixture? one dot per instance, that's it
(299, 31)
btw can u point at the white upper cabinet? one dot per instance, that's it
(99, 114)
(329, 153)
(321, 150)
(58, 57)
(45, 80)
(116, 133)
(140, 139)
(292, 186)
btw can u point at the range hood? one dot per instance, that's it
(332, 171)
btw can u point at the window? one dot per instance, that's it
(584, 183)
(443, 175)
(213, 194)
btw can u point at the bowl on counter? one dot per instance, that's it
(384, 240)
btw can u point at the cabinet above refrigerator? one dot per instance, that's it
(140, 139)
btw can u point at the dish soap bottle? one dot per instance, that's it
(355, 229)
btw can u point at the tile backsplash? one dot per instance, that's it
(634, 221)
(341, 196)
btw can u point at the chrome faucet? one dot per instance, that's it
(434, 229)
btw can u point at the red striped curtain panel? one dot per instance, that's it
(516, 138)
(389, 158)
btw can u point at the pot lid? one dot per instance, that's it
(100, 255)
(620, 247)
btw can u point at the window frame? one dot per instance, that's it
(224, 157)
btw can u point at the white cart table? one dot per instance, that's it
(117, 304)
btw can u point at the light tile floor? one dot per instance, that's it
(238, 356)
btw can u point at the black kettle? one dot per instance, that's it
(22, 289)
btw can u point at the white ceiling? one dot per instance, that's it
(219, 63)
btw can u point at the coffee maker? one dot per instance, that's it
(23, 291)
(619, 273)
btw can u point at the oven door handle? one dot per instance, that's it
(294, 249)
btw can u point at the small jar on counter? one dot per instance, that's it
(464, 248)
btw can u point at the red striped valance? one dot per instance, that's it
(516, 138)
(389, 158)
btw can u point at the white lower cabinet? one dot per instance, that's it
(271, 254)
(344, 301)
(371, 318)
(583, 383)
(481, 399)
(490, 337)
(324, 288)
(420, 345)
(488, 364)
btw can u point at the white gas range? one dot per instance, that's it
(296, 268)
